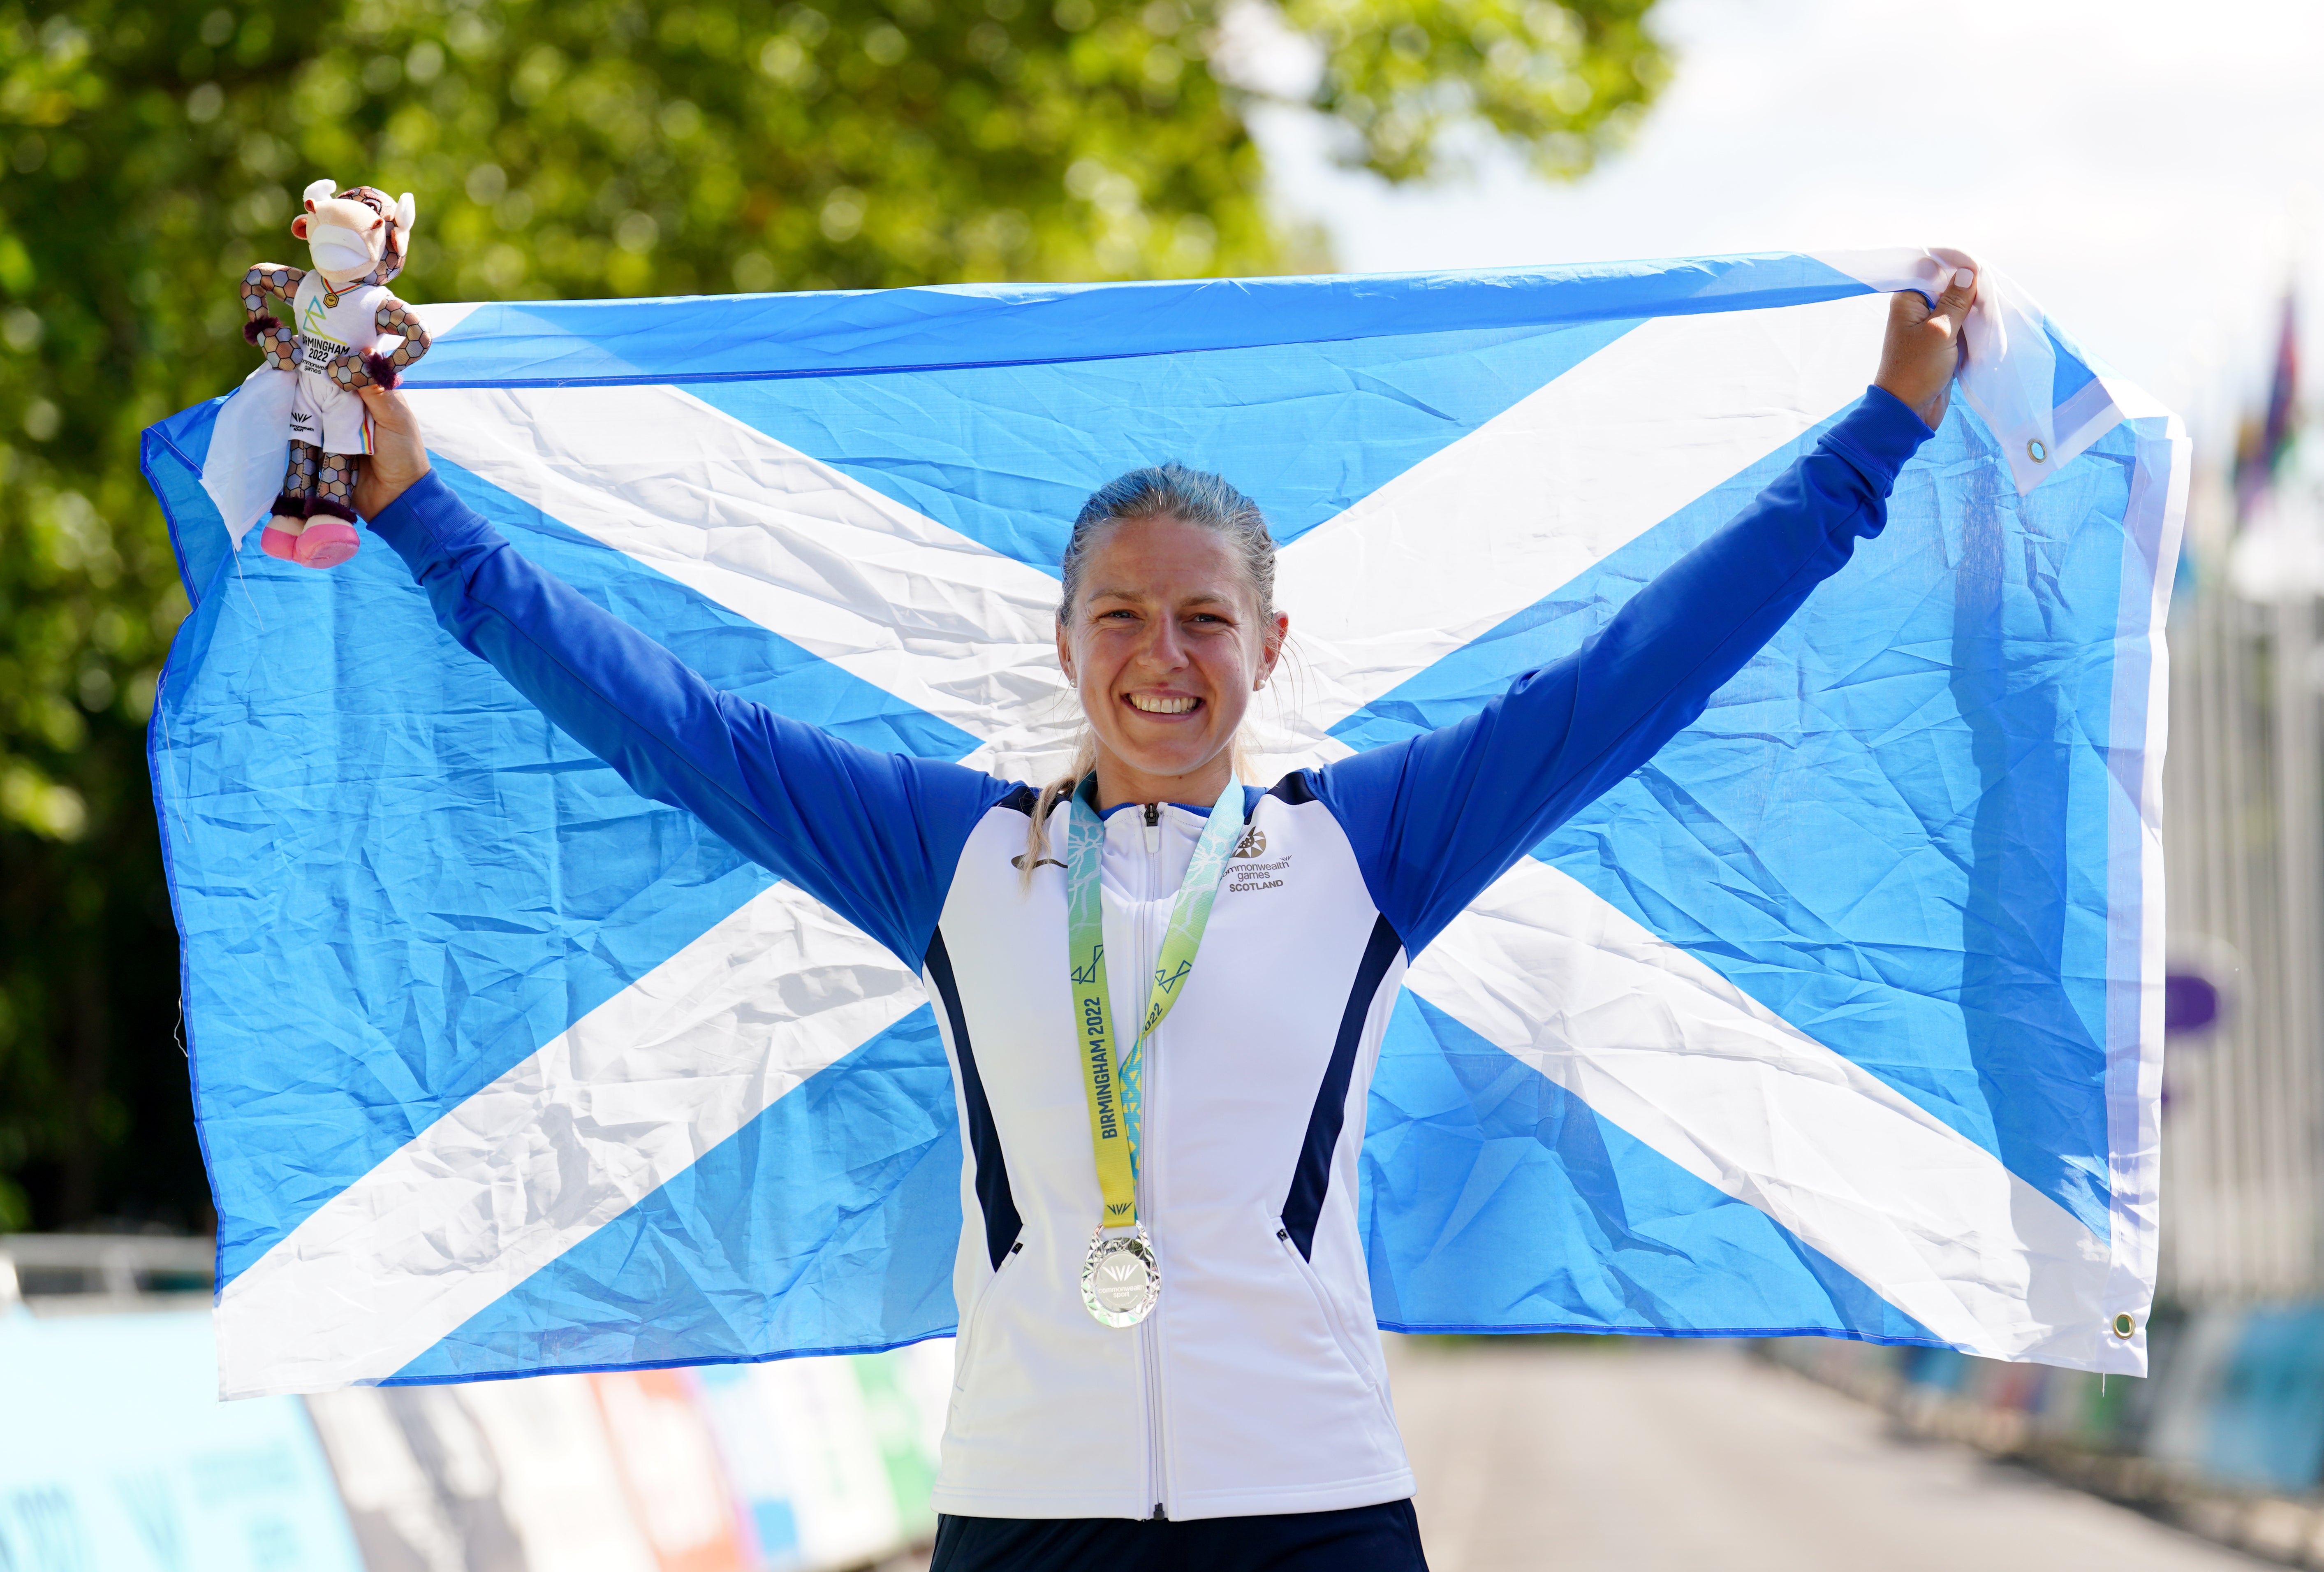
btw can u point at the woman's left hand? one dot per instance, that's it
(1925, 347)
(398, 455)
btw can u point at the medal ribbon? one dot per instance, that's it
(1112, 1078)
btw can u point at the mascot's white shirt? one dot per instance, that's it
(323, 412)
(1256, 1386)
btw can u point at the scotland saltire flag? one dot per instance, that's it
(1842, 1016)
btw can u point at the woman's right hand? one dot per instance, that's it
(398, 457)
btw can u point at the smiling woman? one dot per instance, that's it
(1167, 622)
(1162, 992)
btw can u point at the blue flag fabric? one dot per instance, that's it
(1840, 1017)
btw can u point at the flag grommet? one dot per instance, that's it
(2035, 451)
(2125, 1326)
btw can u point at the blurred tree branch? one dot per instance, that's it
(1557, 83)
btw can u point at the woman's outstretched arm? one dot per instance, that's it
(1436, 818)
(873, 835)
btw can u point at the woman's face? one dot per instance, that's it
(1168, 645)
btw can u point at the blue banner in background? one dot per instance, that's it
(117, 1456)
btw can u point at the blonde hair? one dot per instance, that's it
(1192, 496)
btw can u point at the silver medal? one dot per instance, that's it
(1121, 1280)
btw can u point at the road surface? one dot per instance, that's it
(1636, 1456)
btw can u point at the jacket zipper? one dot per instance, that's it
(1149, 1340)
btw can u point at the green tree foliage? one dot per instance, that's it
(149, 153)
(1405, 77)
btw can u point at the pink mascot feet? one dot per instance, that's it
(326, 544)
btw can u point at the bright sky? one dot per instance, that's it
(2140, 166)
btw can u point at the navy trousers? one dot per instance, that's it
(1357, 1539)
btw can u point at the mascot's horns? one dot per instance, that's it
(317, 191)
(405, 212)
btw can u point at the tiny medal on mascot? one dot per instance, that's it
(1122, 1281)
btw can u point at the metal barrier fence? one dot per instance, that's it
(91, 1271)
(2243, 1190)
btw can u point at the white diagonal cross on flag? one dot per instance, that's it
(1545, 970)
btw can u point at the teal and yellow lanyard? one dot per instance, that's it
(1112, 1080)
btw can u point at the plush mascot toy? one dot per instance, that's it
(340, 313)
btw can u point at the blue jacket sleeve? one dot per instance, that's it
(875, 836)
(1437, 817)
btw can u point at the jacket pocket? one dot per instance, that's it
(1349, 1349)
(980, 1314)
